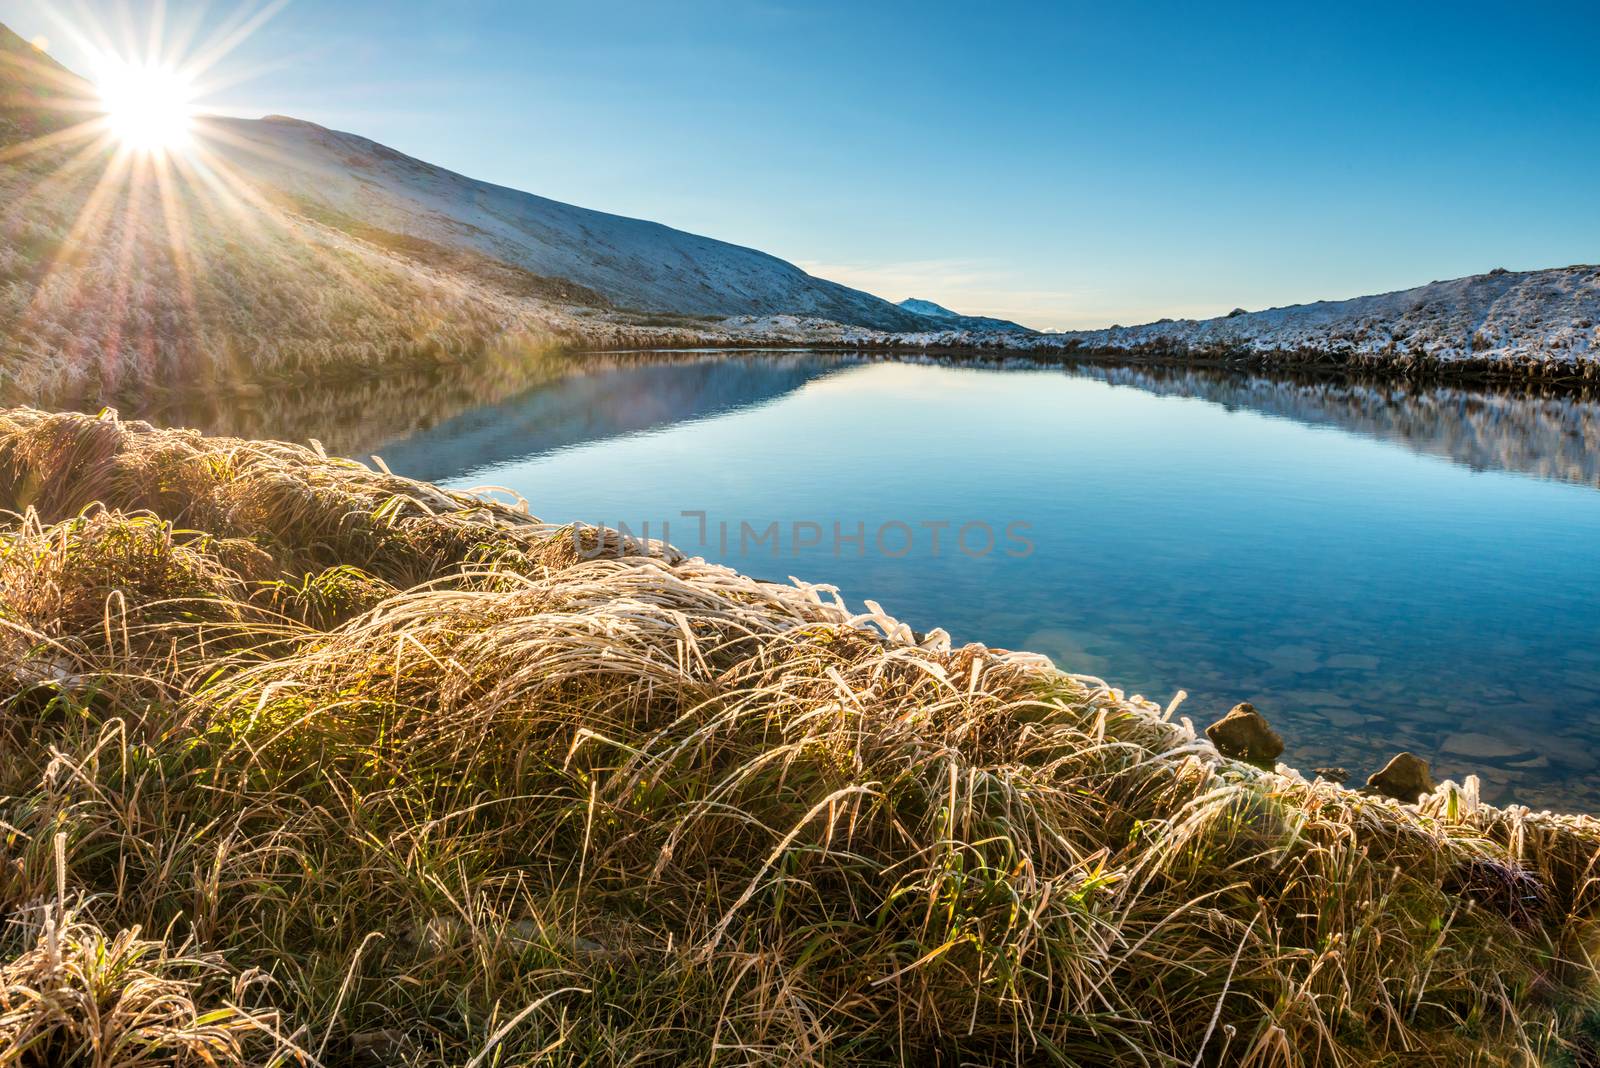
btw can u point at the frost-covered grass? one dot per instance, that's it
(305, 762)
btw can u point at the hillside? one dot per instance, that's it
(282, 250)
(632, 264)
(1498, 317)
(38, 96)
(1543, 324)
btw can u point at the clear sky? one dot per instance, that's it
(1064, 164)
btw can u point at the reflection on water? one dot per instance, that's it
(536, 402)
(511, 404)
(601, 403)
(1367, 563)
(1555, 436)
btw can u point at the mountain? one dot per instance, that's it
(283, 250)
(928, 308)
(1499, 319)
(945, 317)
(354, 183)
(1542, 324)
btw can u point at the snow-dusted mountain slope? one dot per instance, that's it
(284, 251)
(1546, 321)
(928, 308)
(340, 179)
(1501, 316)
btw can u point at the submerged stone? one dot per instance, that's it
(1404, 778)
(1479, 746)
(1244, 734)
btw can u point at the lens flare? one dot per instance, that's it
(148, 107)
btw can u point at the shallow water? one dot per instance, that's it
(1376, 568)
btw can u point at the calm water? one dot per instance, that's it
(1374, 569)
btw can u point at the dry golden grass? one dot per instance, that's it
(401, 777)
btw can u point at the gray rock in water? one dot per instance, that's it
(1338, 775)
(1478, 746)
(1405, 778)
(1245, 735)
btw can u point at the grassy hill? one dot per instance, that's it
(276, 250)
(109, 287)
(306, 763)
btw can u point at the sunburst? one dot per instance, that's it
(135, 146)
(149, 107)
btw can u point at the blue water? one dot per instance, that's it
(1368, 588)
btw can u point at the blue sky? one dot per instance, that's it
(1062, 164)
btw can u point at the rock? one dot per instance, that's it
(1290, 659)
(1477, 746)
(1342, 718)
(1573, 755)
(1353, 662)
(1244, 735)
(1331, 774)
(1067, 650)
(1405, 778)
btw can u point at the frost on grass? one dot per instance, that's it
(436, 788)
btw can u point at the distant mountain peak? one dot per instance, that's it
(945, 317)
(928, 308)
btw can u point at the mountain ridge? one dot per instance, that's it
(636, 264)
(1525, 324)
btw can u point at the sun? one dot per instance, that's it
(148, 107)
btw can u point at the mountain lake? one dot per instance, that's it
(1375, 566)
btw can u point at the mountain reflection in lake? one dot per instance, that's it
(1365, 562)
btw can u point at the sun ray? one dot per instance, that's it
(175, 222)
(243, 194)
(92, 130)
(88, 217)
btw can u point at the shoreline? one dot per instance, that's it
(1580, 381)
